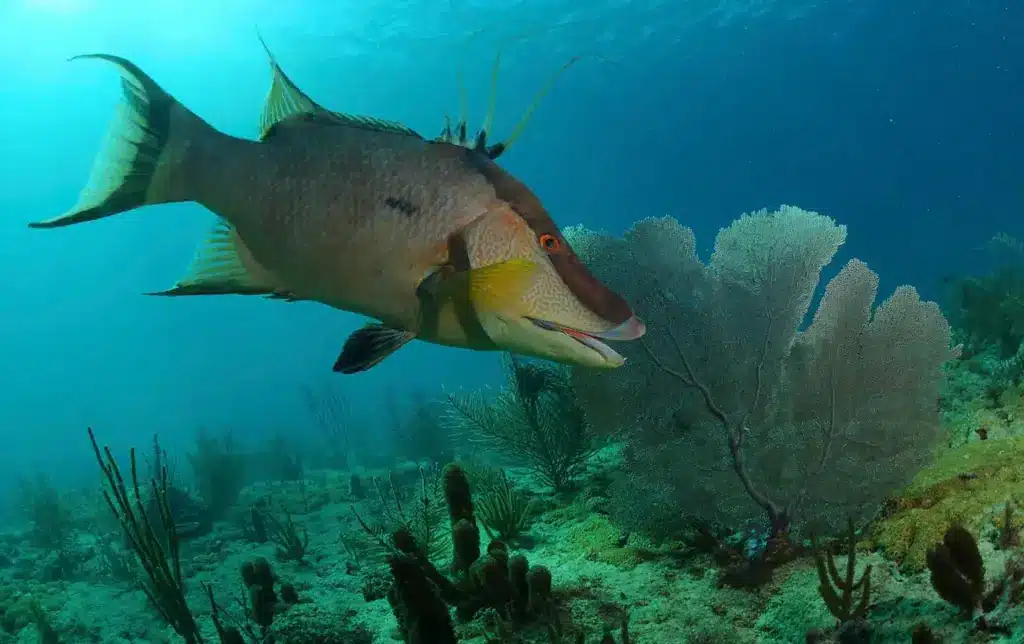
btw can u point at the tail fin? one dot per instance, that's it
(125, 173)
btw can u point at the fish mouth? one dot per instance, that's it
(631, 329)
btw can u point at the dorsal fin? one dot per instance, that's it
(373, 123)
(286, 104)
(494, 151)
(284, 100)
(224, 265)
(458, 134)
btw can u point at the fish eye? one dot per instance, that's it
(550, 243)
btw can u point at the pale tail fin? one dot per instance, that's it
(132, 169)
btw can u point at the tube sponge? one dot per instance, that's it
(422, 615)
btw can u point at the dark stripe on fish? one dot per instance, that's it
(458, 258)
(403, 206)
(439, 288)
(156, 105)
(592, 293)
(430, 304)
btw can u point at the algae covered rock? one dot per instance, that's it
(596, 538)
(967, 486)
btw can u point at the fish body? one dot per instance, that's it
(366, 239)
(432, 239)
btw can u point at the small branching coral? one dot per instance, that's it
(422, 516)
(504, 510)
(253, 522)
(535, 419)
(160, 559)
(291, 539)
(192, 517)
(156, 544)
(51, 526)
(219, 472)
(847, 598)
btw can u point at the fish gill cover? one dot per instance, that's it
(815, 435)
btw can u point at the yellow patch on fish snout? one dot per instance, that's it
(496, 288)
(501, 286)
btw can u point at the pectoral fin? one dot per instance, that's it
(368, 346)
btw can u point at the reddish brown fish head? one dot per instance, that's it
(562, 312)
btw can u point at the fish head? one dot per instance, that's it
(555, 310)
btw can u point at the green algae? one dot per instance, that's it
(967, 486)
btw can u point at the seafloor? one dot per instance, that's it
(669, 592)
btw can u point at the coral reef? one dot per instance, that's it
(742, 418)
(760, 482)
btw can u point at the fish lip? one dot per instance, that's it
(632, 329)
(587, 339)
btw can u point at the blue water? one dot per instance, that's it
(901, 120)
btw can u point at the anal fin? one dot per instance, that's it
(224, 265)
(368, 346)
